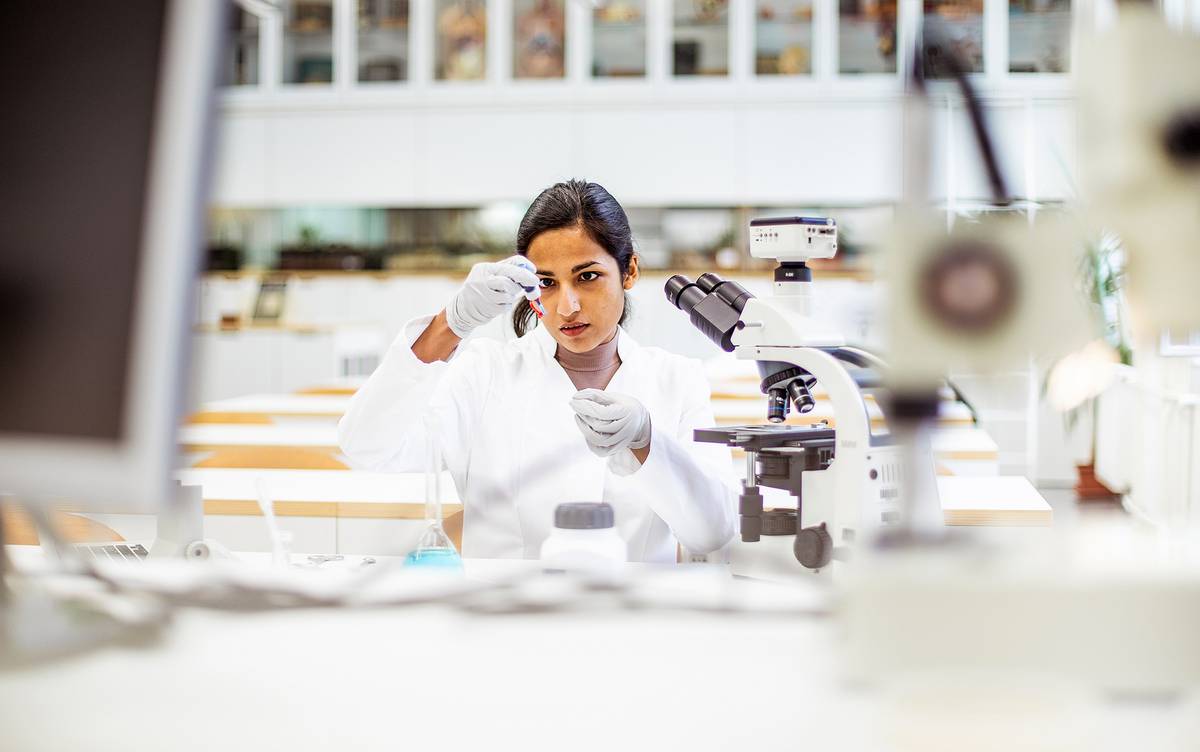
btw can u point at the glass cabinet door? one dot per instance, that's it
(539, 39)
(240, 66)
(955, 25)
(1039, 36)
(460, 40)
(866, 36)
(619, 39)
(700, 37)
(307, 41)
(783, 37)
(382, 40)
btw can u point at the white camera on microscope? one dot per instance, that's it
(791, 239)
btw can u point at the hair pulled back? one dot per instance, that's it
(576, 203)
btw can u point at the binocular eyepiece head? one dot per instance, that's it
(713, 305)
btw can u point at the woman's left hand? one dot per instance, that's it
(611, 422)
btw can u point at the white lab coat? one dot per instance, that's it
(510, 442)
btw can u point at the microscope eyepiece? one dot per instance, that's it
(675, 286)
(709, 281)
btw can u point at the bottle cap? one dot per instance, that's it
(583, 515)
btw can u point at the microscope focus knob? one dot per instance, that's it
(813, 547)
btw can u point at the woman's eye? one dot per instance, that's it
(589, 276)
(545, 282)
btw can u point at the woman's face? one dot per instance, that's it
(582, 287)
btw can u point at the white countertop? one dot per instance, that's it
(315, 485)
(435, 677)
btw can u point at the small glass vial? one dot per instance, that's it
(585, 541)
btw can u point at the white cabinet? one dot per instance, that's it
(260, 361)
(827, 131)
(333, 326)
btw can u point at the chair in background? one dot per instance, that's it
(19, 529)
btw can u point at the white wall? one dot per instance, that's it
(775, 149)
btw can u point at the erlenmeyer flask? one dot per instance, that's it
(434, 547)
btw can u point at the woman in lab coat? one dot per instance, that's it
(572, 410)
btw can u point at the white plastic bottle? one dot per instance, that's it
(585, 541)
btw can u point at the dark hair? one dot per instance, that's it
(570, 204)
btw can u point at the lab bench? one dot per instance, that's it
(585, 677)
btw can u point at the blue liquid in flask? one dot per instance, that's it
(434, 558)
(434, 551)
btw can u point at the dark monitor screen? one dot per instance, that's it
(78, 82)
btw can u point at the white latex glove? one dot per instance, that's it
(489, 291)
(611, 422)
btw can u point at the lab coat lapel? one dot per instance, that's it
(555, 466)
(629, 351)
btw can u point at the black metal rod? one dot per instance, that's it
(983, 138)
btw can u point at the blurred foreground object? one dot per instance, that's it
(1139, 115)
(106, 168)
(984, 294)
(106, 174)
(1104, 606)
(982, 297)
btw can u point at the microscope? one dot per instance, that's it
(846, 480)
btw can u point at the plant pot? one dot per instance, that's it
(223, 258)
(1088, 487)
(326, 258)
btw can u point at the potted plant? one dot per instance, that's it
(311, 253)
(1077, 380)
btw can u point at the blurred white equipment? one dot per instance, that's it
(983, 297)
(1139, 115)
(985, 294)
(846, 480)
(1102, 607)
(105, 167)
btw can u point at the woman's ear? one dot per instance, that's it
(631, 276)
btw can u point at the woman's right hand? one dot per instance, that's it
(489, 291)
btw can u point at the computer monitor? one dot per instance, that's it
(104, 155)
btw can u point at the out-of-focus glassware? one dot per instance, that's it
(619, 39)
(783, 37)
(955, 25)
(1039, 36)
(383, 40)
(539, 39)
(700, 37)
(867, 36)
(308, 41)
(241, 59)
(434, 548)
(460, 43)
